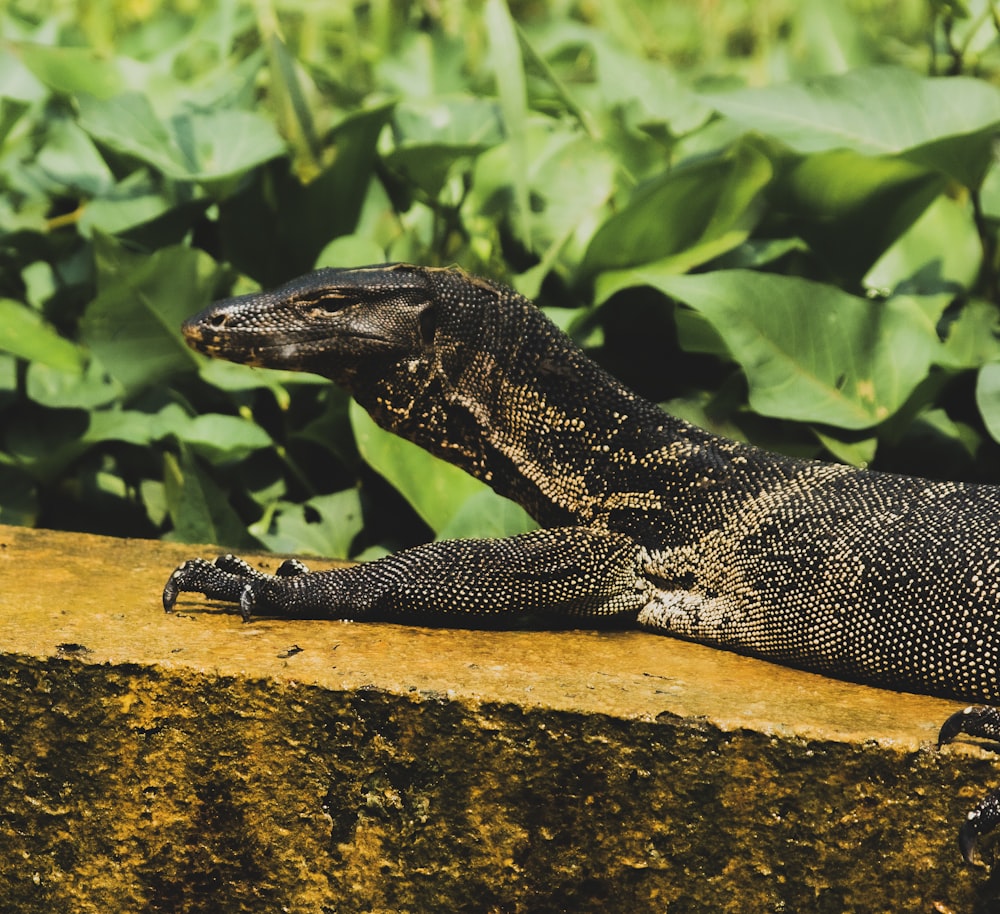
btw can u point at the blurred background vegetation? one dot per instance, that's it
(777, 218)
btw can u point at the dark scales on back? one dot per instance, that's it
(866, 576)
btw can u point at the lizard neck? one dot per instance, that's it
(514, 402)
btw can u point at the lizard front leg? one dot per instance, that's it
(569, 570)
(228, 578)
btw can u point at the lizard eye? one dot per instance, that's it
(329, 303)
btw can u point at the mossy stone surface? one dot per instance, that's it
(190, 763)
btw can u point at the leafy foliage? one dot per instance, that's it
(790, 240)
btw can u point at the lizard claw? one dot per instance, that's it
(983, 722)
(976, 720)
(981, 820)
(224, 579)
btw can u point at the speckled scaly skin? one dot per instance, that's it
(867, 576)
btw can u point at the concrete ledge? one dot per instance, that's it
(190, 763)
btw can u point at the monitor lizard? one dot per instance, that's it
(645, 518)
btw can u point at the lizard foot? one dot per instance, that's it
(982, 722)
(228, 578)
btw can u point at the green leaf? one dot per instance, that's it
(325, 525)
(25, 333)
(221, 438)
(134, 323)
(198, 507)
(232, 377)
(508, 71)
(72, 70)
(988, 397)
(192, 145)
(943, 123)
(918, 263)
(435, 489)
(850, 207)
(350, 250)
(432, 135)
(487, 515)
(137, 427)
(70, 160)
(973, 337)
(858, 453)
(58, 388)
(647, 92)
(133, 201)
(686, 217)
(128, 124)
(810, 352)
(571, 179)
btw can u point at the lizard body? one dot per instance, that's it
(867, 576)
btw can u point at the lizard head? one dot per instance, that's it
(332, 322)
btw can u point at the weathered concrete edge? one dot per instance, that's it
(392, 766)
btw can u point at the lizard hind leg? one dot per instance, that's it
(982, 722)
(686, 614)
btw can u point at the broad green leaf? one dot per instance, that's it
(918, 263)
(348, 251)
(134, 201)
(944, 123)
(127, 425)
(134, 323)
(58, 388)
(648, 92)
(72, 70)
(134, 426)
(70, 160)
(435, 489)
(424, 64)
(571, 179)
(431, 136)
(324, 525)
(223, 144)
(198, 507)
(858, 453)
(685, 218)
(988, 397)
(508, 71)
(128, 124)
(25, 333)
(828, 37)
(222, 438)
(191, 145)
(810, 352)
(973, 337)
(487, 515)
(19, 88)
(957, 437)
(850, 207)
(11, 111)
(232, 377)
